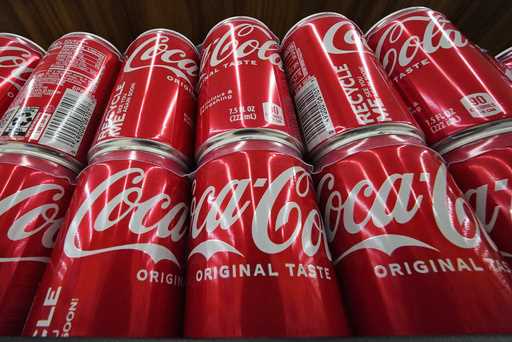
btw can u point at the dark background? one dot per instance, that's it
(486, 22)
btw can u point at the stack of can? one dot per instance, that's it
(462, 101)
(405, 242)
(117, 268)
(258, 260)
(44, 136)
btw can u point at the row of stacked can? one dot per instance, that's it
(258, 256)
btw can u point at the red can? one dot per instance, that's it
(34, 194)
(18, 57)
(409, 251)
(337, 83)
(118, 262)
(449, 85)
(58, 109)
(258, 262)
(481, 163)
(504, 58)
(157, 82)
(242, 84)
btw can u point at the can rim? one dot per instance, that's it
(24, 39)
(173, 32)
(32, 150)
(366, 132)
(299, 23)
(480, 132)
(136, 145)
(504, 53)
(246, 17)
(247, 134)
(98, 38)
(392, 16)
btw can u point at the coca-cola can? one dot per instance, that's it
(59, 107)
(409, 251)
(481, 164)
(34, 194)
(448, 84)
(117, 265)
(258, 260)
(504, 58)
(338, 85)
(242, 85)
(18, 57)
(162, 60)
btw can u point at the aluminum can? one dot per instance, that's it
(60, 106)
(338, 85)
(448, 83)
(481, 164)
(117, 265)
(242, 84)
(18, 58)
(34, 195)
(258, 261)
(153, 99)
(504, 58)
(409, 251)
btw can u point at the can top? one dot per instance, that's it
(504, 54)
(367, 132)
(392, 16)
(97, 38)
(247, 134)
(135, 145)
(242, 17)
(32, 150)
(301, 22)
(480, 132)
(25, 40)
(175, 33)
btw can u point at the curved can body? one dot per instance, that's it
(18, 58)
(59, 107)
(409, 251)
(34, 196)
(117, 266)
(153, 99)
(483, 170)
(504, 59)
(449, 85)
(258, 262)
(242, 84)
(337, 83)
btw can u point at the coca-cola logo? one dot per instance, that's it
(219, 209)
(47, 217)
(18, 60)
(398, 47)
(342, 38)
(128, 204)
(240, 41)
(155, 52)
(448, 214)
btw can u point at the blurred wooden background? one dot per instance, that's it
(486, 22)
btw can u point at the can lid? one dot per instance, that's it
(175, 33)
(243, 17)
(472, 135)
(130, 144)
(392, 16)
(247, 134)
(366, 132)
(33, 150)
(311, 17)
(97, 38)
(504, 53)
(24, 39)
